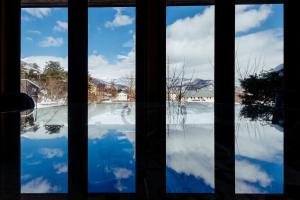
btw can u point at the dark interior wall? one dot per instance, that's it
(9, 83)
(292, 99)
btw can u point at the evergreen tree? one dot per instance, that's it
(262, 97)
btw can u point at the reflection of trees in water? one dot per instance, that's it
(253, 128)
(126, 110)
(176, 90)
(30, 122)
(176, 115)
(53, 128)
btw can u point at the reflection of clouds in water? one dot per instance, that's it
(25, 177)
(126, 132)
(264, 144)
(38, 185)
(259, 142)
(197, 113)
(121, 173)
(120, 187)
(60, 168)
(34, 163)
(192, 152)
(51, 153)
(29, 155)
(244, 187)
(98, 132)
(246, 174)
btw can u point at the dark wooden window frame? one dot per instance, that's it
(150, 102)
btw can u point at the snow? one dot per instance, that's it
(49, 103)
(278, 68)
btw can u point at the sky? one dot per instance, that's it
(190, 39)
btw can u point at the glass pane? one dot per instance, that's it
(259, 99)
(111, 112)
(190, 99)
(44, 76)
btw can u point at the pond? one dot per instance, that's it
(111, 146)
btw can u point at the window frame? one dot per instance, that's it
(150, 104)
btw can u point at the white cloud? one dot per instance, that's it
(190, 42)
(51, 42)
(249, 17)
(128, 44)
(38, 12)
(51, 153)
(100, 67)
(42, 60)
(61, 168)
(247, 173)
(29, 38)
(119, 20)
(61, 26)
(25, 18)
(258, 51)
(38, 185)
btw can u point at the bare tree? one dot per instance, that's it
(177, 87)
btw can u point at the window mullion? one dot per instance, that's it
(10, 84)
(224, 98)
(150, 100)
(292, 90)
(77, 99)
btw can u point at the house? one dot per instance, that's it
(121, 96)
(30, 88)
(205, 94)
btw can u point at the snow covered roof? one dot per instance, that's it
(31, 82)
(277, 69)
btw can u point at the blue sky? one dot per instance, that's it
(110, 40)
(190, 38)
(36, 28)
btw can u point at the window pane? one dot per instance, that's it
(259, 99)
(190, 99)
(44, 76)
(111, 113)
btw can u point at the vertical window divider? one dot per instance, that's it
(78, 98)
(224, 99)
(151, 99)
(291, 95)
(10, 84)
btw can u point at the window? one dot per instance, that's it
(44, 77)
(259, 114)
(150, 102)
(111, 90)
(190, 99)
